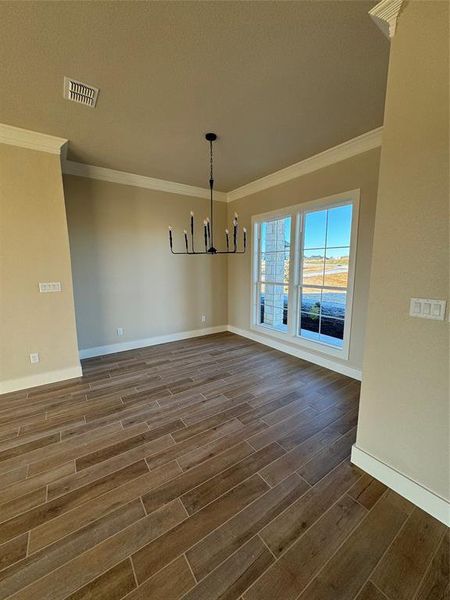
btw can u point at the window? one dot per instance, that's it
(272, 289)
(324, 266)
(303, 290)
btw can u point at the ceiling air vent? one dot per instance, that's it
(80, 92)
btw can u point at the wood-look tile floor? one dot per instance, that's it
(204, 469)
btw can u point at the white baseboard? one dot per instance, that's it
(23, 383)
(422, 497)
(298, 352)
(151, 341)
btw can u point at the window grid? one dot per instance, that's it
(335, 316)
(311, 334)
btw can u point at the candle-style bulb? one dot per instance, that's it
(205, 233)
(192, 232)
(244, 229)
(170, 227)
(208, 230)
(226, 231)
(235, 215)
(185, 231)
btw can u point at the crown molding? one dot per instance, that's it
(358, 145)
(55, 145)
(70, 167)
(385, 15)
(24, 138)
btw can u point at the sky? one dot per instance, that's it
(336, 232)
(323, 228)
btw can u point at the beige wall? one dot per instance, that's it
(124, 275)
(34, 247)
(357, 172)
(404, 412)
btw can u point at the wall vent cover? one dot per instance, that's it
(80, 92)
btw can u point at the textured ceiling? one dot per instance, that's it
(278, 81)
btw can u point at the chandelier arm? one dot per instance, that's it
(189, 253)
(208, 252)
(230, 252)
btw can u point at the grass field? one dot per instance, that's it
(336, 271)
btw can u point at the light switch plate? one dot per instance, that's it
(51, 286)
(427, 308)
(34, 357)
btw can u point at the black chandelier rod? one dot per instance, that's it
(210, 231)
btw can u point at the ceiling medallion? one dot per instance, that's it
(208, 223)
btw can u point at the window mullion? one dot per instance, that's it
(298, 266)
(291, 276)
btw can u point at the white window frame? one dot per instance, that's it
(297, 212)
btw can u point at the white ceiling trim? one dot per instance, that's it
(70, 167)
(385, 15)
(15, 136)
(55, 145)
(358, 145)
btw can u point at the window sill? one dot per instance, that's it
(295, 340)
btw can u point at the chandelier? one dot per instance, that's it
(208, 223)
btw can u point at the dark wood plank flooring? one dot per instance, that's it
(203, 469)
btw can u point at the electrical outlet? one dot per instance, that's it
(120, 331)
(203, 318)
(51, 286)
(34, 357)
